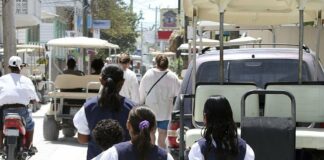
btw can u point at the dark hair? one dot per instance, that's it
(124, 58)
(71, 63)
(113, 76)
(107, 132)
(143, 121)
(97, 65)
(14, 69)
(162, 61)
(221, 127)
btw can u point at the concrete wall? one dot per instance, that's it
(47, 32)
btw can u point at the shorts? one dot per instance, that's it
(23, 112)
(163, 124)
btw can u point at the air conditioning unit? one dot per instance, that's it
(70, 34)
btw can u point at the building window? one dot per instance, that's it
(22, 7)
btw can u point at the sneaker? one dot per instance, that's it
(2, 151)
(32, 150)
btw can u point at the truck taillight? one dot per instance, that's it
(173, 134)
(321, 125)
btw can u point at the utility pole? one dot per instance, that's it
(131, 6)
(142, 38)
(84, 30)
(9, 31)
(156, 27)
(156, 32)
(84, 18)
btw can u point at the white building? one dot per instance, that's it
(28, 14)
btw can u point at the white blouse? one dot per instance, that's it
(112, 154)
(195, 153)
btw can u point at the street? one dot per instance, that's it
(64, 148)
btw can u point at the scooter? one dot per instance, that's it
(15, 138)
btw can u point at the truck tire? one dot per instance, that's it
(68, 132)
(50, 128)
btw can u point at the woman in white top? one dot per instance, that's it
(220, 139)
(141, 124)
(158, 88)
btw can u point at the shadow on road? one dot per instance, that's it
(70, 141)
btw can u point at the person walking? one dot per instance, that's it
(158, 88)
(141, 125)
(220, 139)
(108, 105)
(130, 87)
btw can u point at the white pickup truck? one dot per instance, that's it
(249, 69)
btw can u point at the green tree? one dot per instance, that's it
(123, 23)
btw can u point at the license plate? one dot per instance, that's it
(11, 132)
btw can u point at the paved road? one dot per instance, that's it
(62, 149)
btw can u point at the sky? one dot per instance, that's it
(149, 14)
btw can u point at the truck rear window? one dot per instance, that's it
(258, 71)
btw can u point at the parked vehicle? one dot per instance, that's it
(69, 92)
(258, 66)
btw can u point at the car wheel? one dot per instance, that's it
(68, 132)
(50, 128)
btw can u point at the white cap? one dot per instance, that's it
(15, 61)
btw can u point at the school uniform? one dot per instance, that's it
(127, 151)
(200, 147)
(88, 116)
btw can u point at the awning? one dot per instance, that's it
(81, 42)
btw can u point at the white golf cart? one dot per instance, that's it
(69, 92)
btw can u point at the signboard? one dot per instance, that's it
(169, 18)
(96, 33)
(80, 23)
(102, 24)
(138, 52)
(164, 35)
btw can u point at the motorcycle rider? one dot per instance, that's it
(16, 92)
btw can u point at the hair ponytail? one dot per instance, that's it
(162, 61)
(142, 141)
(220, 127)
(112, 75)
(143, 123)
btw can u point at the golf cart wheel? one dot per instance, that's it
(68, 132)
(50, 128)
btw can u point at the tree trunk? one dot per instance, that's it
(9, 31)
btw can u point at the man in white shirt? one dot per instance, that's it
(16, 92)
(130, 87)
